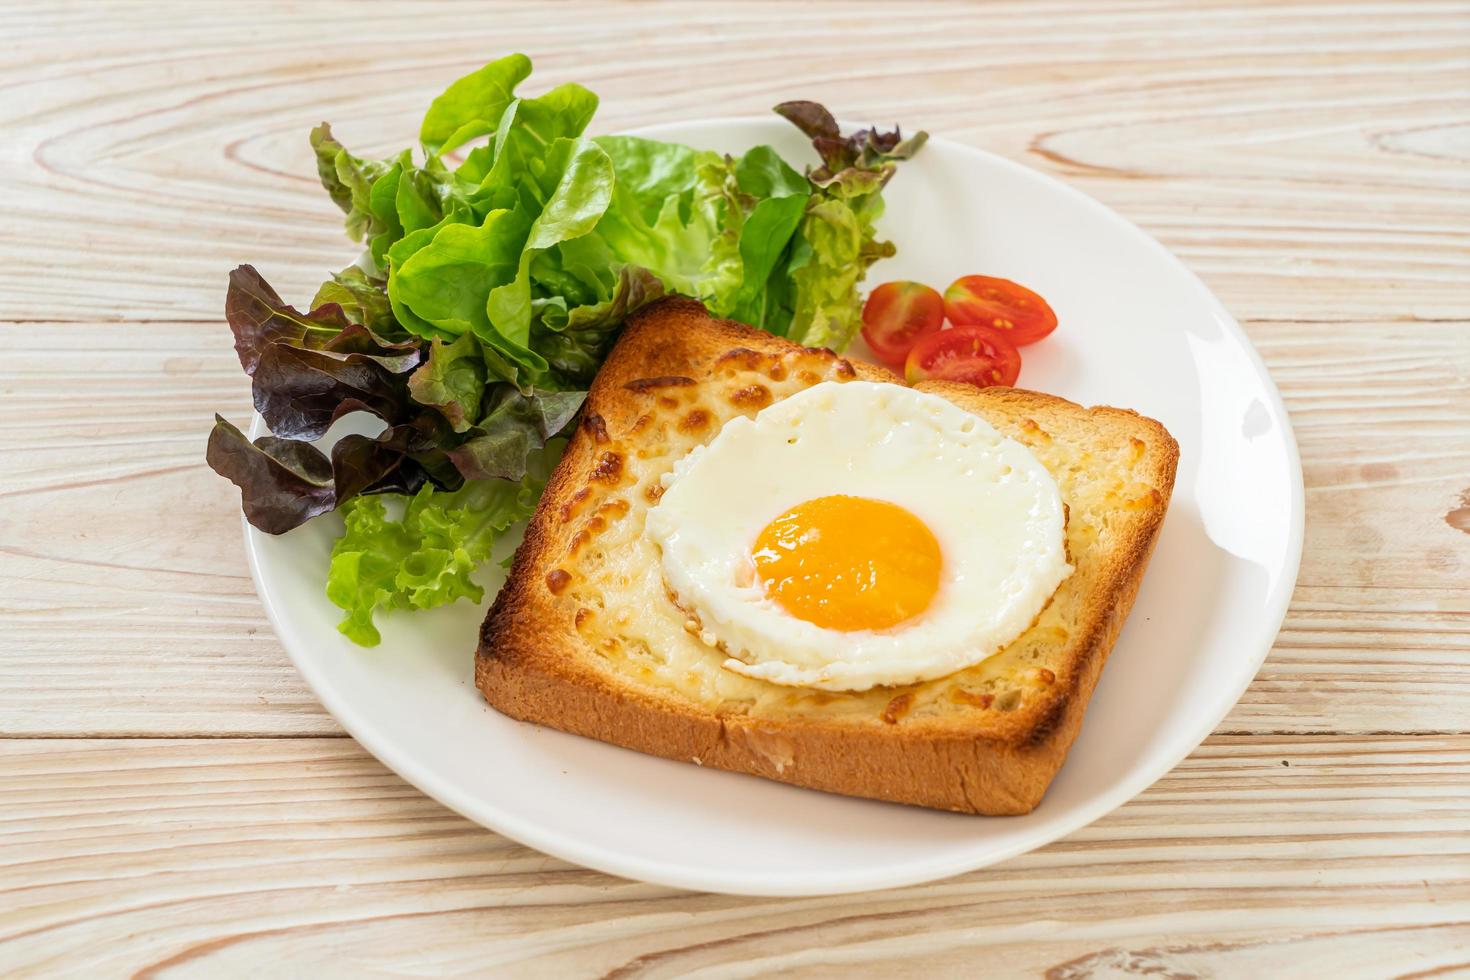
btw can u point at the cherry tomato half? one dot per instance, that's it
(896, 315)
(1001, 304)
(980, 356)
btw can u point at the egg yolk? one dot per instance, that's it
(849, 563)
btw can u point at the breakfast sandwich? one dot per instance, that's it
(768, 559)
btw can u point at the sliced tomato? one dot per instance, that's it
(980, 356)
(1000, 304)
(896, 315)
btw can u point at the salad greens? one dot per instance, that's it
(500, 260)
(424, 558)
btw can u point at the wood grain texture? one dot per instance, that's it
(204, 858)
(173, 801)
(1287, 152)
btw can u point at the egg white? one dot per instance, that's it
(989, 501)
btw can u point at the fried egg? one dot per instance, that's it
(859, 534)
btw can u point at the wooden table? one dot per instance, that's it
(174, 800)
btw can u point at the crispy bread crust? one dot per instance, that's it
(532, 664)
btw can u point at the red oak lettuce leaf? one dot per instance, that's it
(864, 160)
(286, 482)
(283, 482)
(259, 317)
(517, 425)
(301, 392)
(400, 459)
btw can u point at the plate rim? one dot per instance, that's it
(671, 874)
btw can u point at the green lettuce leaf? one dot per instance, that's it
(653, 171)
(425, 558)
(445, 282)
(363, 299)
(488, 269)
(571, 208)
(473, 105)
(579, 270)
(837, 239)
(382, 205)
(348, 180)
(765, 236)
(398, 255)
(526, 132)
(709, 226)
(452, 380)
(826, 310)
(667, 215)
(761, 173)
(576, 341)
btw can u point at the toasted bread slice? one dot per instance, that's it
(585, 638)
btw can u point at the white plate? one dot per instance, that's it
(1137, 330)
